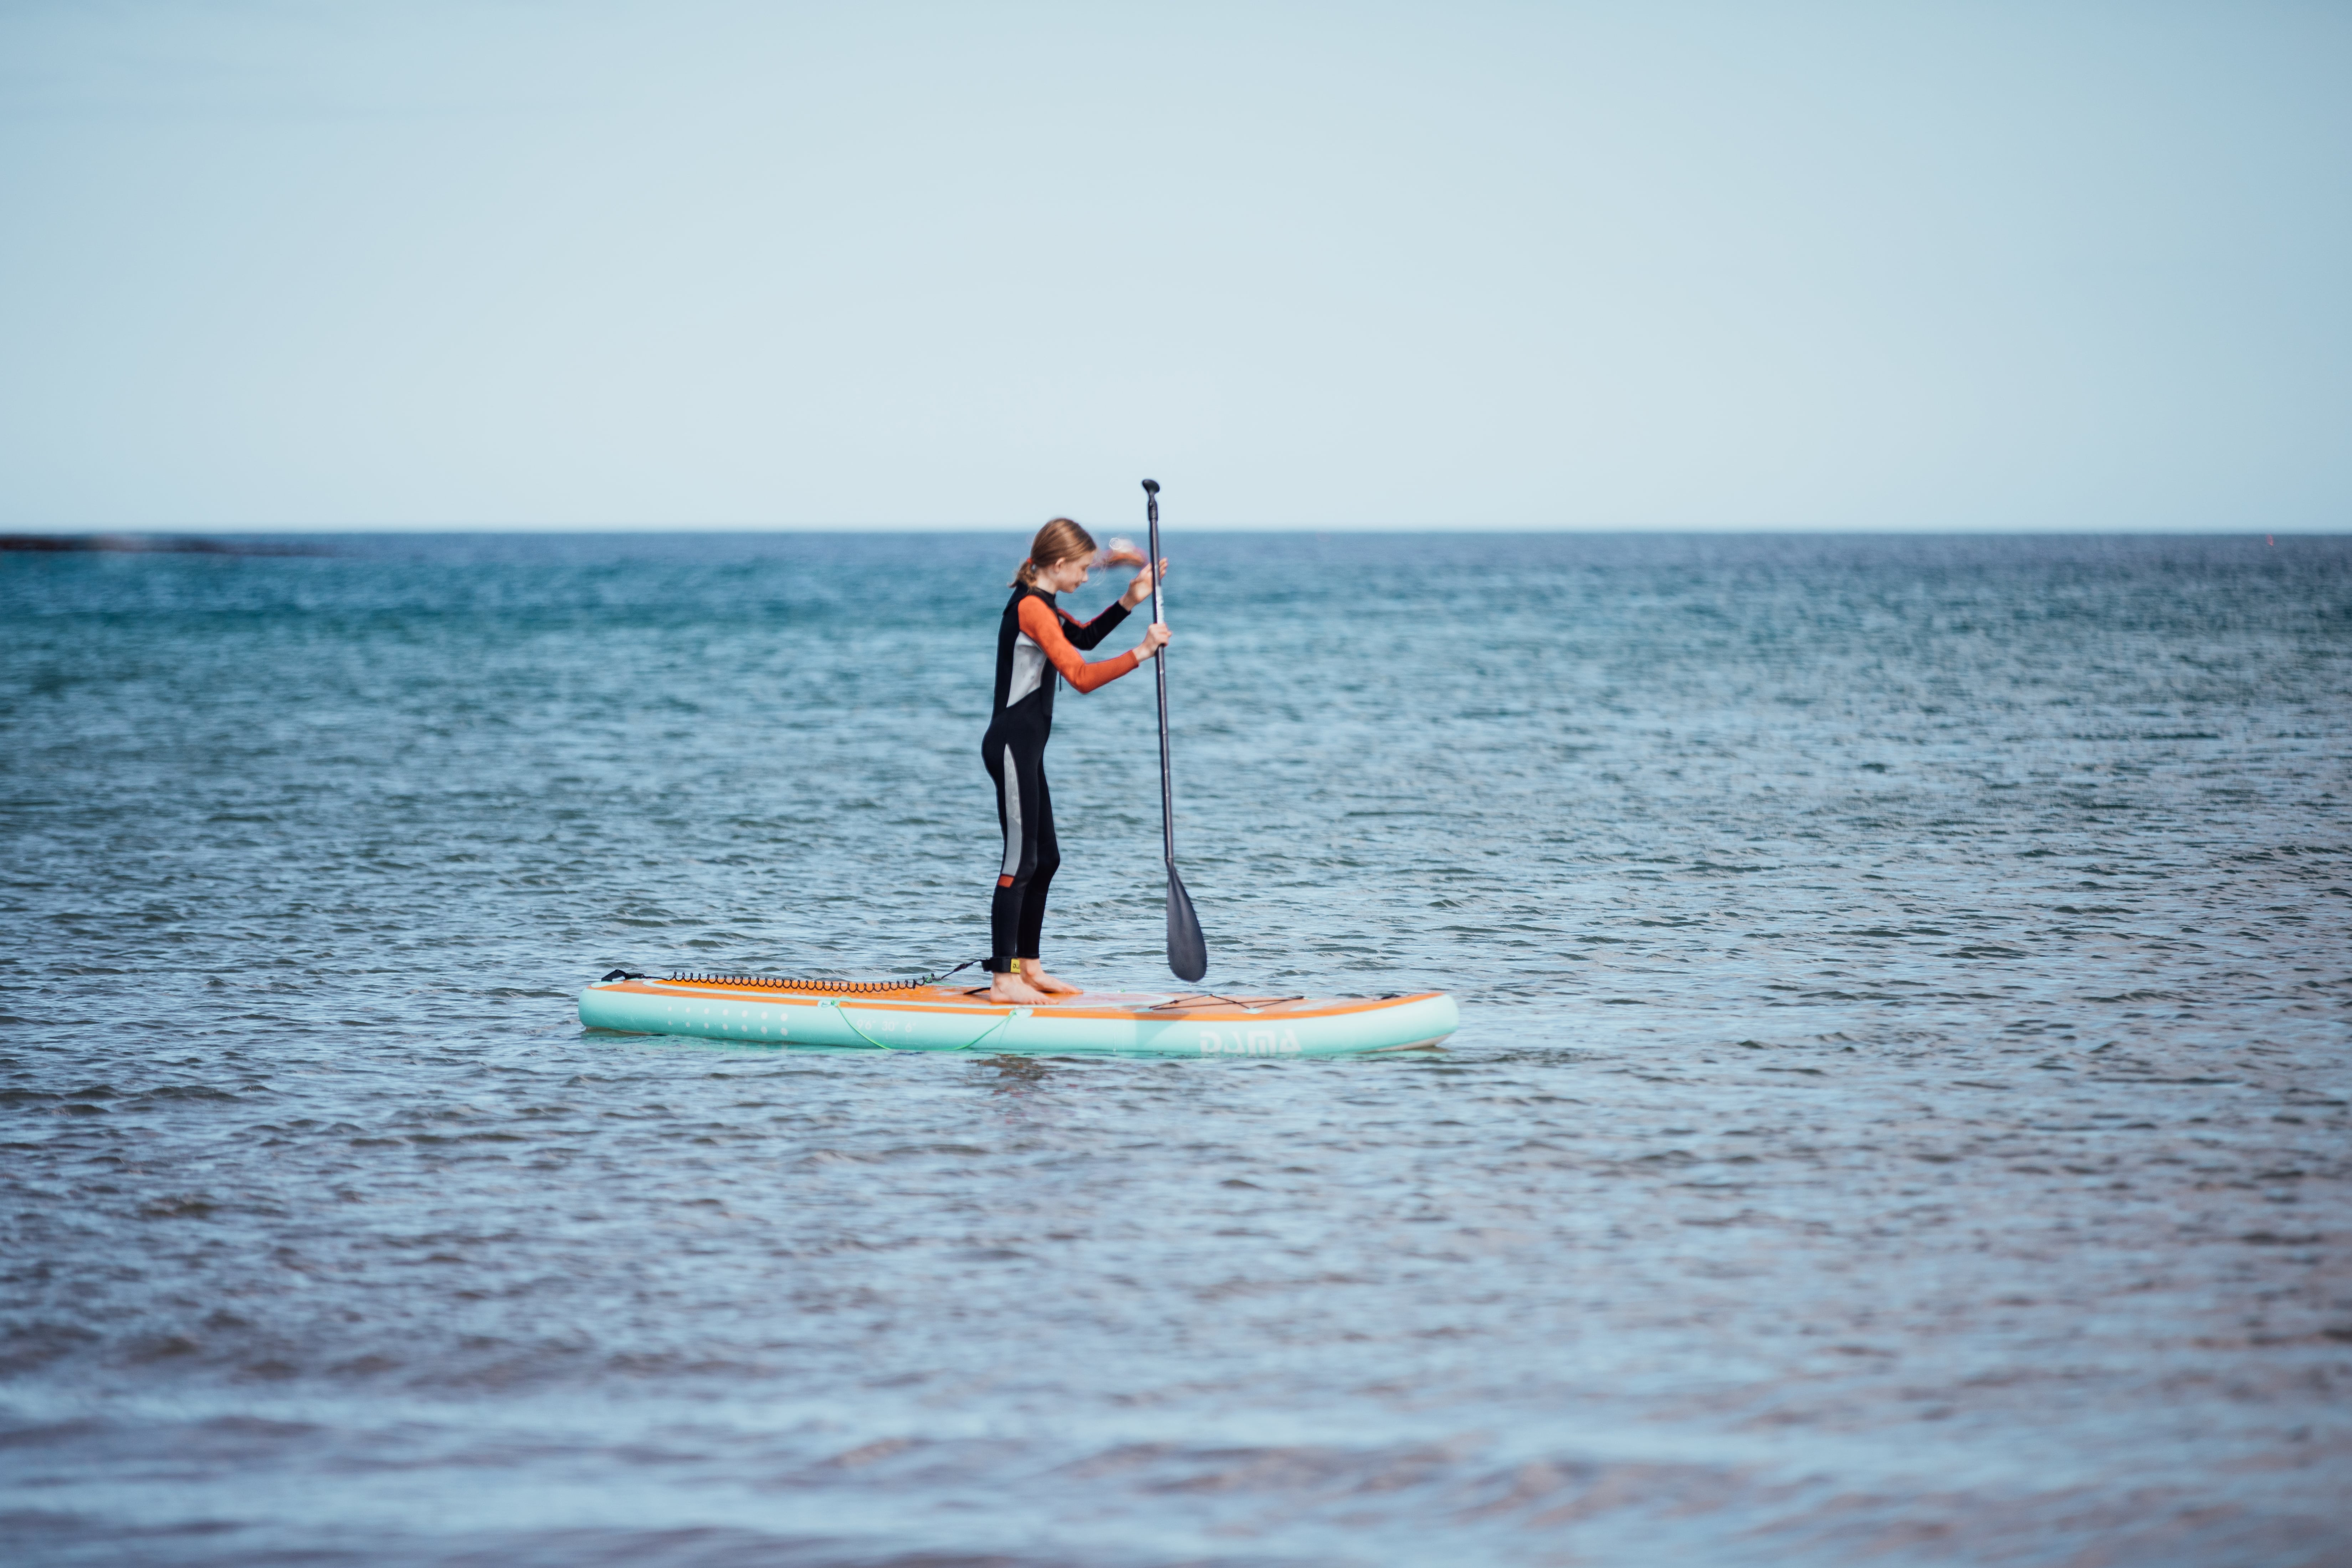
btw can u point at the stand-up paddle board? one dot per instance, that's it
(918, 1017)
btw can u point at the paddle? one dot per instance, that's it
(1188, 955)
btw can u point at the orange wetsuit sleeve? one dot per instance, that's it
(1043, 628)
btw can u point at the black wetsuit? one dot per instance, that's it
(1027, 661)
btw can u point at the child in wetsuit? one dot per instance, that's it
(1035, 633)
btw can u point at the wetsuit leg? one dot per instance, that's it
(1032, 931)
(1021, 814)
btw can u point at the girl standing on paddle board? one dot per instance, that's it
(1034, 634)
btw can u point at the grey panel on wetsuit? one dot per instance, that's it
(1011, 817)
(1028, 669)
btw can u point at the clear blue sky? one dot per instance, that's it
(1882, 266)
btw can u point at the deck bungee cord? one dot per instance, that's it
(801, 983)
(831, 991)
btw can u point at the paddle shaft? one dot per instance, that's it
(1188, 955)
(1159, 677)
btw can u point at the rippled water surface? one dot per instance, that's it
(1900, 1113)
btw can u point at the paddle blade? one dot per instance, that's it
(1188, 955)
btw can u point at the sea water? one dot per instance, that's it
(1899, 1115)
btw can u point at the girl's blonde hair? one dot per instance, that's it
(1059, 541)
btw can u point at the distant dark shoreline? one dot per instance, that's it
(150, 544)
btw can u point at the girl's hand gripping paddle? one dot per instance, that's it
(1188, 955)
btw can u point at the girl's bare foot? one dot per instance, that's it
(1013, 988)
(1034, 973)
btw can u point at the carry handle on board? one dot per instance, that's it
(1188, 953)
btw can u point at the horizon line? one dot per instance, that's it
(183, 531)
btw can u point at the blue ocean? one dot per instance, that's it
(1900, 1113)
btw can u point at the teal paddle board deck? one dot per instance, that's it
(934, 1017)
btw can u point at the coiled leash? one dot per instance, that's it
(842, 1012)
